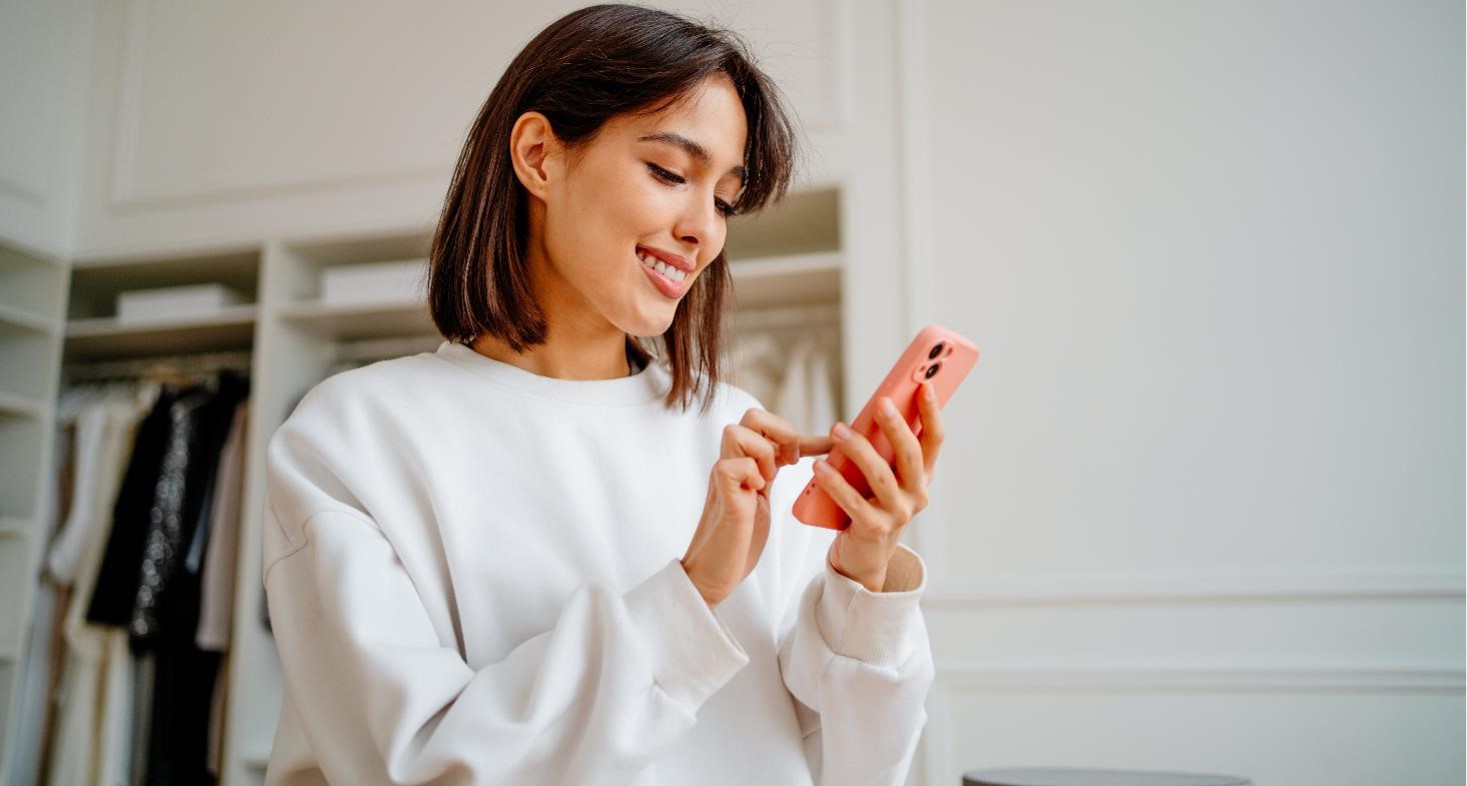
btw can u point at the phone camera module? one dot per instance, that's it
(932, 371)
(937, 350)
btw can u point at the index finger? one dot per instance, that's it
(815, 445)
(790, 444)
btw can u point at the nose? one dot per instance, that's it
(699, 225)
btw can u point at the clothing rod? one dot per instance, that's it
(783, 316)
(195, 363)
(377, 348)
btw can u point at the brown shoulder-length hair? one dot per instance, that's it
(585, 68)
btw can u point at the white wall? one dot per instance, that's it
(1202, 506)
(1199, 507)
(45, 67)
(216, 122)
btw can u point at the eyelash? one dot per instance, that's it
(662, 174)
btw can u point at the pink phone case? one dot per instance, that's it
(952, 355)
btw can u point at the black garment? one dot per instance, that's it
(184, 677)
(170, 527)
(116, 588)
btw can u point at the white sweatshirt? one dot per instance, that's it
(473, 578)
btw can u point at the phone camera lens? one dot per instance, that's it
(932, 371)
(937, 350)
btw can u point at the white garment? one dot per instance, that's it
(473, 577)
(94, 726)
(805, 397)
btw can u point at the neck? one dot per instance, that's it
(580, 344)
(573, 359)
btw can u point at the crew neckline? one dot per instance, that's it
(647, 384)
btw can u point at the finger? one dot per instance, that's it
(738, 473)
(932, 428)
(878, 473)
(815, 445)
(740, 441)
(845, 495)
(781, 432)
(904, 443)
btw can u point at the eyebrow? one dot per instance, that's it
(692, 148)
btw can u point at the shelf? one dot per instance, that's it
(14, 320)
(14, 527)
(12, 405)
(782, 281)
(759, 283)
(358, 321)
(96, 282)
(232, 328)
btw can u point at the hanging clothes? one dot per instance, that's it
(805, 397)
(150, 581)
(183, 674)
(116, 586)
(35, 684)
(217, 605)
(758, 364)
(217, 608)
(93, 730)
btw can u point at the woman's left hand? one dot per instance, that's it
(864, 549)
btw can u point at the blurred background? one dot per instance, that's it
(1201, 502)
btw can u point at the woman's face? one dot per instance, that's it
(645, 187)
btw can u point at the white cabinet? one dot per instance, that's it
(785, 263)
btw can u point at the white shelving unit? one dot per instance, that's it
(32, 296)
(789, 256)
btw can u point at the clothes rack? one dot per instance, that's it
(189, 365)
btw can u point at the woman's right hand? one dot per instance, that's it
(735, 523)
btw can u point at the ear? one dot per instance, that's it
(534, 151)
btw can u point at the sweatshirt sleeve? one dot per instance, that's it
(858, 662)
(384, 697)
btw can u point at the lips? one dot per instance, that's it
(668, 287)
(670, 258)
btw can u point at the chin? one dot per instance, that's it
(647, 325)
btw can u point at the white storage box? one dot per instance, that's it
(400, 281)
(147, 305)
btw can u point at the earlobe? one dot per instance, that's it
(531, 144)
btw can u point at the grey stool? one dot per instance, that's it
(1046, 776)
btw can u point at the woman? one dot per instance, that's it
(508, 561)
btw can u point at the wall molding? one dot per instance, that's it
(959, 678)
(833, 115)
(956, 680)
(22, 192)
(125, 195)
(1198, 587)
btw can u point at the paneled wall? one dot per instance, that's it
(1200, 505)
(219, 121)
(1203, 507)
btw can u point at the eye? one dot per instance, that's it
(664, 175)
(724, 208)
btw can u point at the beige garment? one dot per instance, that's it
(93, 742)
(805, 396)
(217, 604)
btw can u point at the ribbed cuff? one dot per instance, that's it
(693, 653)
(873, 627)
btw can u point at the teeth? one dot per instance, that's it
(669, 272)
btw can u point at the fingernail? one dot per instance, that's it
(841, 432)
(929, 391)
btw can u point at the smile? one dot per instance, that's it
(667, 271)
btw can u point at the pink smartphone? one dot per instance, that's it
(938, 355)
